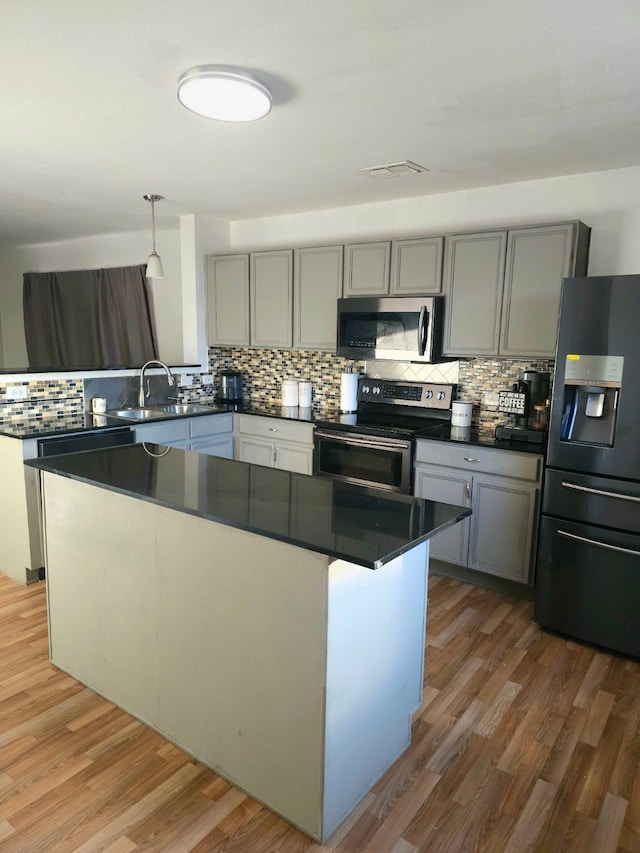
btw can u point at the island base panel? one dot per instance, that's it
(266, 662)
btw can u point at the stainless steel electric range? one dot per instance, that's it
(376, 445)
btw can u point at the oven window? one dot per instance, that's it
(380, 467)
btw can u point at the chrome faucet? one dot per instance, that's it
(170, 378)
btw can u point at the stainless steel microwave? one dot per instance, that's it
(393, 328)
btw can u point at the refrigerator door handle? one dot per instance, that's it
(567, 535)
(600, 492)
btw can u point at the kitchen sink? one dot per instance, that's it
(182, 409)
(163, 410)
(136, 414)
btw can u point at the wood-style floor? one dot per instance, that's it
(524, 742)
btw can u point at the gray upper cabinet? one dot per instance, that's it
(473, 285)
(503, 288)
(537, 261)
(416, 266)
(367, 269)
(228, 300)
(317, 286)
(271, 303)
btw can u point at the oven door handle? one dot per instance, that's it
(364, 441)
(574, 536)
(422, 329)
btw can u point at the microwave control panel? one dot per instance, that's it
(426, 395)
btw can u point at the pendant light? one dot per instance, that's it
(224, 92)
(154, 264)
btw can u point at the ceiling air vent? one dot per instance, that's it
(394, 170)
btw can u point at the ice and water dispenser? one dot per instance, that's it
(590, 404)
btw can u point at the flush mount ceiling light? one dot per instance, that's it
(224, 93)
(154, 264)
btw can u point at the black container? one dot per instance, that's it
(230, 386)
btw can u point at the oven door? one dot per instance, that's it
(367, 460)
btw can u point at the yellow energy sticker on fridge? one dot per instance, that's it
(573, 357)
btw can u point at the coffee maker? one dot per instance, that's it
(527, 402)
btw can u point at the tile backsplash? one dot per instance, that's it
(44, 399)
(263, 370)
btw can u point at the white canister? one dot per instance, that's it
(304, 395)
(290, 392)
(461, 413)
(98, 405)
(349, 392)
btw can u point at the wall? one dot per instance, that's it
(607, 201)
(93, 253)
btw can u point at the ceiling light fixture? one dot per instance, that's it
(224, 93)
(154, 264)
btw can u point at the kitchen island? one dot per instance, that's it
(271, 624)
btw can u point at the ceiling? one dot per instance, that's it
(482, 92)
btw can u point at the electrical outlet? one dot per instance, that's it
(491, 399)
(207, 379)
(16, 392)
(185, 380)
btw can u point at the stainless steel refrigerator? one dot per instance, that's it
(587, 582)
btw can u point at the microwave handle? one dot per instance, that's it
(422, 329)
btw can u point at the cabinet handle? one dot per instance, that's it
(275, 455)
(471, 459)
(468, 489)
(273, 429)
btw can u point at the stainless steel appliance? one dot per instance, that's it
(375, 446)
(395, 328)
(230, 386)
(588, 567)
(527, 402)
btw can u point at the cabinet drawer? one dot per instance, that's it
(505, 463)
(160, 433)
(275, 429)
(211, 425)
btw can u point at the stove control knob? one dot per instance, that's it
(365, 389)
(429, 395)
(377, 389)
(441, 395)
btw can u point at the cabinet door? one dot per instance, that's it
(292, 457)
(416, 266)
(256, 450)
(228, 300)
(450, 487)
(502, 527)
(367, 269)
(473, 284)
(221, 445)
(537, 261)
(317, 286)
(272, 299)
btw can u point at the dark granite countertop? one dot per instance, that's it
(26, 428)
(369, 527)
(461, 435)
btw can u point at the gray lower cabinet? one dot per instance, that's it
(503, 288)
(317, 286)
(275, 443)
(416, 266)
(503, 490)
(228, 300)
(212, 434)
(367, 268)
(271, 299)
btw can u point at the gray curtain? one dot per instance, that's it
(88, 318)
